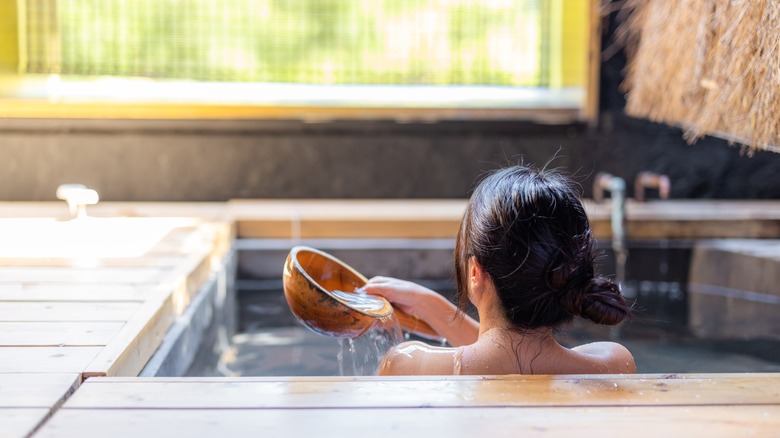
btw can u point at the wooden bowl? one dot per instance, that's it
(320, 290)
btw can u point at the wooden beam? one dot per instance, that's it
(538, 391)
(641, 421)
(590, 110)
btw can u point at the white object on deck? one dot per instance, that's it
(78, 196)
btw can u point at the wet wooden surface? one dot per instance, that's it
(643, 405)
(452, 391)
(634, 421)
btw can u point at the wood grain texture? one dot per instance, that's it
(67, 311)
(46, 359)
(57, 334)
(73, 292)
(36, 390)
(511, 391)
(31, 274)
(709, 421)
(20, 422)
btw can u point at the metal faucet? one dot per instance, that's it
(78, 196)
(651, 180)
(617, 188)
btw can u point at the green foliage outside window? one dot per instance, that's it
(426, 42)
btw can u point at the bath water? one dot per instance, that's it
(360, 301)
(361, 356)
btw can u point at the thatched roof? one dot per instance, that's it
(709, 66)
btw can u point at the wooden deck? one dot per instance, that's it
(507, 406)
(64, 318)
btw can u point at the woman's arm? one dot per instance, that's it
(429, 306)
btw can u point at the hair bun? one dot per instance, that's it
(599, 300)
(602, 303)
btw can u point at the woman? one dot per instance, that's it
(524, 257)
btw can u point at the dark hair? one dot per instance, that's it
(528, 230)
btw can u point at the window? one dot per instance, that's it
(332, 58)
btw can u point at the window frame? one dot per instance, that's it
(18, 107)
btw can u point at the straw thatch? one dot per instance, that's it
(709, 66)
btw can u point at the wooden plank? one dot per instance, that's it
(439, 209)
(56, 334)
(20, 422)
(109, 109)
(700, 210)
(710, 421)
(74, 292)
(590, 110)
(265, 229)
(434, 218)
(347, 228)
(185, 281)
(136, 341)
(184, 241)
(263, 209)
(704, 229)
(36, 390)
(345, 208)
(732, 289)
(182, 341)
(66, 311)
(130, 350)
(132, 347)
(82, 276)
(448, 378)
(58, 209)
(378, 228)
(344, 393)
(147, 261)
(179, 241)
(280, 219)
(86, 241)
(346, 218)
(46, 359)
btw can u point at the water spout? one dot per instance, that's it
(78, 196)
(617, 188)
(651, 180)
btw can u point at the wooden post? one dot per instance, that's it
(590, 111)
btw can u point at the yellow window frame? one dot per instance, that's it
(566, 31)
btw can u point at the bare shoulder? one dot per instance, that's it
(609, 357)
(417, 358)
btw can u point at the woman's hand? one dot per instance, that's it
(427, 305)
(405, 295)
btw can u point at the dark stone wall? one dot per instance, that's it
(219, 160)
(212, 161)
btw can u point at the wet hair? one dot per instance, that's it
(528, 231)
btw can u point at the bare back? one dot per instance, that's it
(488, 356)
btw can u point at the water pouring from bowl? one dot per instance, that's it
(326, 295)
